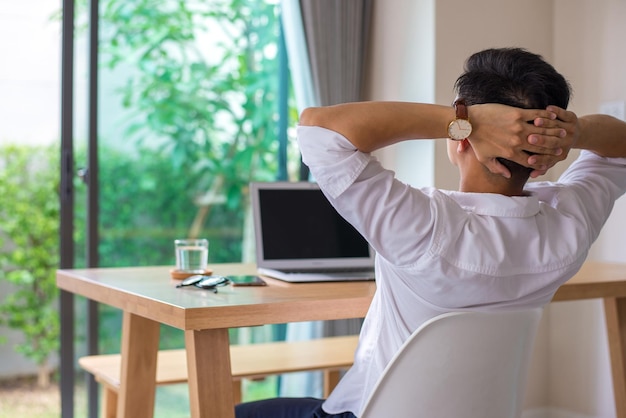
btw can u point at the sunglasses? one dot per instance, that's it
(205, 282)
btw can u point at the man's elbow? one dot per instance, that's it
(311, 116)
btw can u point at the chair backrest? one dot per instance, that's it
(459, 364)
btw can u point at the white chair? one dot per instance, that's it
(459, 365)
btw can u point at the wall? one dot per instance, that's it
(401, 67)
(570, 375)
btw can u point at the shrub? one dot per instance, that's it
(29, 233)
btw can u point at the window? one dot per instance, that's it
(192, 104)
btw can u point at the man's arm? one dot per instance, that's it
(602, 134)
(374, 125)
(498, 130)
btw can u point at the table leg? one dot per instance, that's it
(615, 314)
(140, 345)
(209, 371)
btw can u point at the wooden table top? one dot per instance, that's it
(595, 280)
(152, 293)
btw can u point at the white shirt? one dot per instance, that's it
(440, 251)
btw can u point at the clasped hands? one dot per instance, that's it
(533, 138)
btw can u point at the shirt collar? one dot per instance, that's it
(492, 204)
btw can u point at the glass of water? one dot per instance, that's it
(192, 255)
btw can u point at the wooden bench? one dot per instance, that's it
(254, 361)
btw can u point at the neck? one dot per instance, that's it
(477, 179)
(506, 191)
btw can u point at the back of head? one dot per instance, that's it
(514, 77)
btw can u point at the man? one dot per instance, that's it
(498, 243)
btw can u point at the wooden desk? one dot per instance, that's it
(148, 298)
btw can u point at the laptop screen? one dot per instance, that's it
(297, 228)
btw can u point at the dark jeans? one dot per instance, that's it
(286, 408)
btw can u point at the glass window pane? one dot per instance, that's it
(188, 117)
(188, 106)
(29, 214)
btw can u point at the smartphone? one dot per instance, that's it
(247, 280)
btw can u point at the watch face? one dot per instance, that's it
(459, 129)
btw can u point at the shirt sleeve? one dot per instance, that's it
(333, 160)
(596, 182)
(396, 219)
(600, 182)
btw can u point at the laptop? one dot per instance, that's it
(301, 238)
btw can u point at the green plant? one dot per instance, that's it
(29, 178)
(212, 107)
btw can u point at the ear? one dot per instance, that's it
(463, 146)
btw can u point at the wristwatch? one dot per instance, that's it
(460, 128)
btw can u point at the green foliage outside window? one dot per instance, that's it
(29, 231)
(204, 124)
(210, 107)
(143, 206)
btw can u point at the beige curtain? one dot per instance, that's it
(336, 33)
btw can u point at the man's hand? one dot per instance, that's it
(533, 138)
(564, 120)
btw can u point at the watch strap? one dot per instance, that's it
(461, 109)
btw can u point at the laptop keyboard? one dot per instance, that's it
(318, 276)
(346, 272)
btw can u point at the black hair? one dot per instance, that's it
(514, 77)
